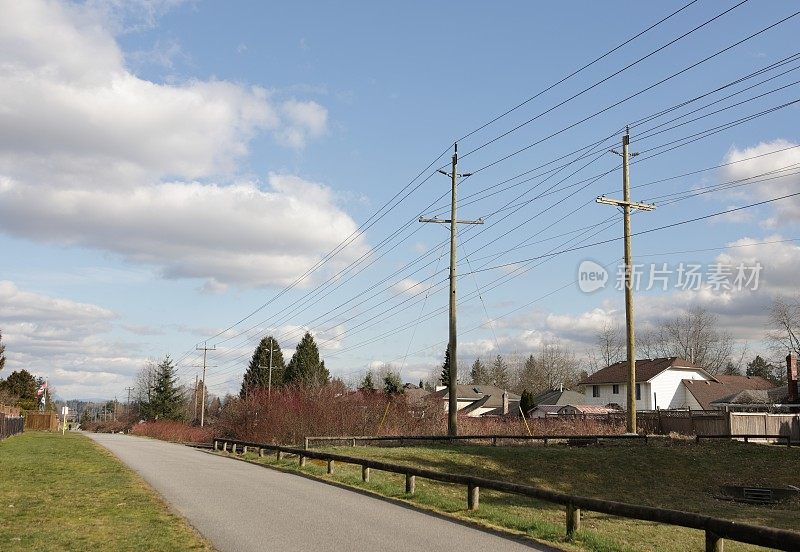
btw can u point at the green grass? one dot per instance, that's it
(665, 473)
(67, 493)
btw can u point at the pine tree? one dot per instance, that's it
(526, 401)
(2, 351)
(499, 373)
(166, 402)
(760, 367)
(368, 383)
(445, 377)
(257, 374)
(305, 368)
(479, 374)
(392, 384)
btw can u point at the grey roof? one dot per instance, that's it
(559, 397)
(777, 395)
(474, 392)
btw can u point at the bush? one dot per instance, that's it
(293, 413)
(177, 432)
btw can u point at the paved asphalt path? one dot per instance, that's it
(240, 507)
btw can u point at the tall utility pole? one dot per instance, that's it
(627, 205)
(205, 348)
(452, 343)
(269, 379)
(194, 398)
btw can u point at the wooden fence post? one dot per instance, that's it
(279, 455)
(233, 448)
(473, 496)
(365, 474)
(302, 461)
(714, 543)
(573, 520)
(216, 445)
(305, 444)
(353, 442)
(330, 467)
(260, 452)
(244, 449)
(410, 484)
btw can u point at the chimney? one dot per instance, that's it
(505, 400)
(791, 377)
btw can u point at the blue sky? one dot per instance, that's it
(168, 167)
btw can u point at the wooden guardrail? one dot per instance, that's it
(746, 437)
(494, 438)
(716, 529)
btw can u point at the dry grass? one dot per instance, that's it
(666, 473)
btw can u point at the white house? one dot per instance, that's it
(659, 384)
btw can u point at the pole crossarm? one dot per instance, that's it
(448, 221)
(622, 203)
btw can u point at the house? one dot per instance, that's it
(765, 397)
(479, 400)
(549, 402)
(415, 395)
(701, 395)
(659, 384)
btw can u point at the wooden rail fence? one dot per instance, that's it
(716, 529)
(495, 439)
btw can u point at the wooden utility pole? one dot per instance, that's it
(269, 378)
(205, 348)
(627, 205)
(195, 398)
(452, 343)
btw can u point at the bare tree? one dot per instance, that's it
(784, 323)
(556, 365)
(609, 346)
(692, 335)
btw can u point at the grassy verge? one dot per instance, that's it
(670, 474)
(66, 493)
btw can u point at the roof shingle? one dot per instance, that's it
(646, 369)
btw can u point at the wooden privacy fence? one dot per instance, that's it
(10, 425)
(12, 411)
(495, 439)
(41, 421)
(716, 529)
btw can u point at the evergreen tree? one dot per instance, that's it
(478, 374)
(392, 384)
(445, 377)
(731, 369)
(760, 367)
(526, 401)
(529, 376)
(257, 374)
(368, 383)
(499, 373)
(421, 384)
(2, 351)
(305, 368)
(166, 402)
(21, 384)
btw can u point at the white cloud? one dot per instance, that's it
(62, 339)
(408, 286)
(786, 211)
(93, 156)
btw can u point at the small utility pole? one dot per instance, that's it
(205, 348)
(627, 205)
(452, 344)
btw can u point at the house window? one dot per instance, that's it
(595, 390)
(638, 392)
(615, 389)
